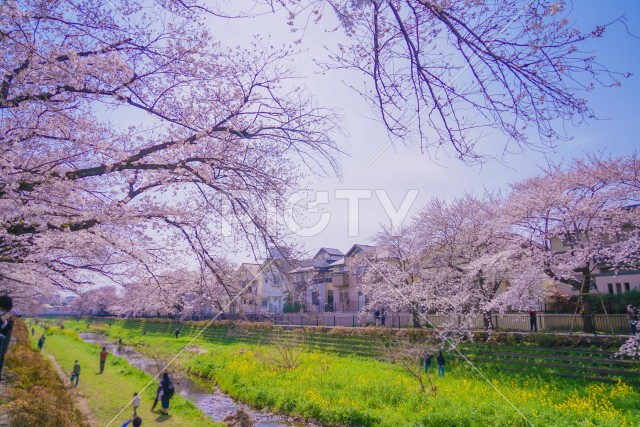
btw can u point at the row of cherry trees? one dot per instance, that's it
(131, 137)
(181, 293)
(559, 227)
(131, 133)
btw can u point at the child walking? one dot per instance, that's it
(135, 404)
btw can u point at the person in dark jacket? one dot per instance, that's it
(75, 375)
(167, 392)
(41, 342)
(441, 362)
(533, 322)
(427, 362)
(376, 317)
(631, 314)
(6, 326)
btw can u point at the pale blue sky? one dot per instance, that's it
(402, 168)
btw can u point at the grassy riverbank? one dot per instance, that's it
(362, 391)
(109, 392)
(35, 395)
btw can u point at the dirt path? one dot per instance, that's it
(5, 419)
(80, 401)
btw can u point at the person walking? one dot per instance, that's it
(376, 317)
(383, 317)
(441, 362)
(167, 392)
(533, 322)
(6, 326)
(427, 362)
(103, 359)
(177, 332)
(76, 373)
(631, 314)
(137, 422)
(135, 403)
(41, 342)
(33, 331)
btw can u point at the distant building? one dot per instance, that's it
(345, 279)
(274, 287)
(248, 287)
(313, 280)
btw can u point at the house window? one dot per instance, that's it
(627, 287)
(618, 288)
(264, 303)
(610, 286)
(569, 240)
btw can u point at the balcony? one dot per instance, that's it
(321, 278)
(340, 279)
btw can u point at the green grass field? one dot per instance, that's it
(365, 392)
(109, 392)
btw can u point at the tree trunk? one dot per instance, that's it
(587, 316)
(416, 317)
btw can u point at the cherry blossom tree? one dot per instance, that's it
(104, 300)
(452, 259)
(631, 348)
(185, 293)
(578, 219)
(392, 273)
(131, 139)
(447, 73)
(478, 256)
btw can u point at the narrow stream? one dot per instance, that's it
(208, 399)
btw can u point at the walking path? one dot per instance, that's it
(79, 399)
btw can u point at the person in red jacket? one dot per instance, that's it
(103, 358)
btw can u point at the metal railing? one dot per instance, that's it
(516, 322)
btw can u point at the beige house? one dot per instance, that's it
(247, 275)
(345, 279)
(312, 281)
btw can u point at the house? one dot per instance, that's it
(345, 278)
(312, 281)
(605, 279)
(617, 282)
(248, 287)
(301, 279)
(274, 287)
